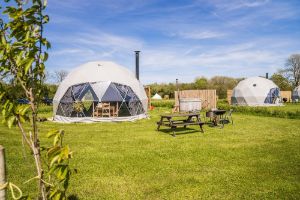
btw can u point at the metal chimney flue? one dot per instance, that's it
(267, 75)
(137, 64)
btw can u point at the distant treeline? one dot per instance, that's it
(220, 83)
(15, 90)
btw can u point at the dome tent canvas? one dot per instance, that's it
(296, 94)
(100, 87)
(256, 91)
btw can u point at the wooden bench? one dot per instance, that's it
(167, 120)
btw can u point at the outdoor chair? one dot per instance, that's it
(227, 118)
(114, 110)
(97, 110)
(106, 110)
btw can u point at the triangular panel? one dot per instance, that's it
(100, 88)
(111, 94)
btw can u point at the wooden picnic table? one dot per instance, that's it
(184, 120)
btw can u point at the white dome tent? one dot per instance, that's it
(296, 94)
(156, 96)
(100, 91)
(256, 91)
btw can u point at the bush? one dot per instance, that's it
(163, 103)
(45, 109)
(262, 111)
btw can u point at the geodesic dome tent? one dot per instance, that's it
(256, 91)
(100, 91)
(156, 96)
(296, 94)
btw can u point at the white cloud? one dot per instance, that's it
(70, 51)
(238, 4)
(251, 14)
(107, 40)
(199, 35)
(241, 60)
(164, 63)
(184, 43)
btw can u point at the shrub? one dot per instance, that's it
(262, 111)
(163, 103)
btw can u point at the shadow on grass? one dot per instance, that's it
(180, 131)
(73, 197)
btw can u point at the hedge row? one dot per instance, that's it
(163, 103)
(258, 111)
(262, 111)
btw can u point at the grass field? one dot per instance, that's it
(256, 158)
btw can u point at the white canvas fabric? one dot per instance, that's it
(100, 88)
(99, 75)
(296, 94)
(62, 119)
(156, 96)
(256, 91)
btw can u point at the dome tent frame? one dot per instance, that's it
(296, 94)
(77, 100)
(256, 91)
(156, 96)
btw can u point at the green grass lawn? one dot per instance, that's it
(292, 107)
(256, 158)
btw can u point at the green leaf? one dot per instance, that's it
(56, 139)
(53, 193)
(2, 95)
(62, 172)
(45, 19)
(22, 119)
(65, 152)
(28, 65)
(24, 109)
(45, 56)
(11, 121)
(3, 41)
(54, 160)
(19, 58)
(52, 133)
(53, 151)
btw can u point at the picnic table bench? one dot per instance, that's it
(169, 121)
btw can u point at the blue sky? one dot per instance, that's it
(178, 39)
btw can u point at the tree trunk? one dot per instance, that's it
(38, 164)
(36, 147)
(2, 173)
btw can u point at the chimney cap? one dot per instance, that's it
(137, 51)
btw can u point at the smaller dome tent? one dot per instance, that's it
(296, 94)
(156, 96)
(100, 91)
(256, 91)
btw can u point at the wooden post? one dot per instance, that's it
(177, 87)
(148, 93)
(2, 173)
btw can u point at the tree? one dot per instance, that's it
(291, 69)
(201, 83)
(282, 82)
(22, 59)
(60, 75)
(222, 84)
